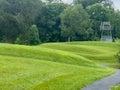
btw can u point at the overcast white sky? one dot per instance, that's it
(116, 3)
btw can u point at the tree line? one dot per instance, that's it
(35, 21)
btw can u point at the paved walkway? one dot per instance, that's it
(105, 83)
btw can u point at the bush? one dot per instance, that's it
(118, 56)
(34, 35)
(117, 40)
(17, 41)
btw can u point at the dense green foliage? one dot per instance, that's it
(75, 24)
(86, 3)
(118, 56)
(48, 22)
(54, 66)
(16, 17)
(33, 35)
(55, 20)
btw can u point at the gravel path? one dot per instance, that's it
(105, 83)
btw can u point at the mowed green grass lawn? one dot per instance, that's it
(100, 52)
(54, 66)
(116, 88)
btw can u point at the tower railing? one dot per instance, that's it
(106, 32)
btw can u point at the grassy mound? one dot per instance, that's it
(48, 54)
(26, 74)
(101, 52)
(116, 88)
(58, 66)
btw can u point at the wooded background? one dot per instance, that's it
(34, 21)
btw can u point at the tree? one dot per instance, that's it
(115, 20)
(98, 13)
(75, 21)
(48, 22)
(86, 3)
(33, 35)
(16, 16)
(8, 28)
(107, 4)
(52, 1)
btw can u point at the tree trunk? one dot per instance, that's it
(69, 39)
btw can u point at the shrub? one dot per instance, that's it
(34, 35)
(118, 56)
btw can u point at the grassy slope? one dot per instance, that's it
(48, 67)
(116, 88)
(48, 54)
(101, 52)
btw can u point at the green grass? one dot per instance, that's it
(116, 88)
(54, 66)
(48, 54)
(115, 66)
(100, 52)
